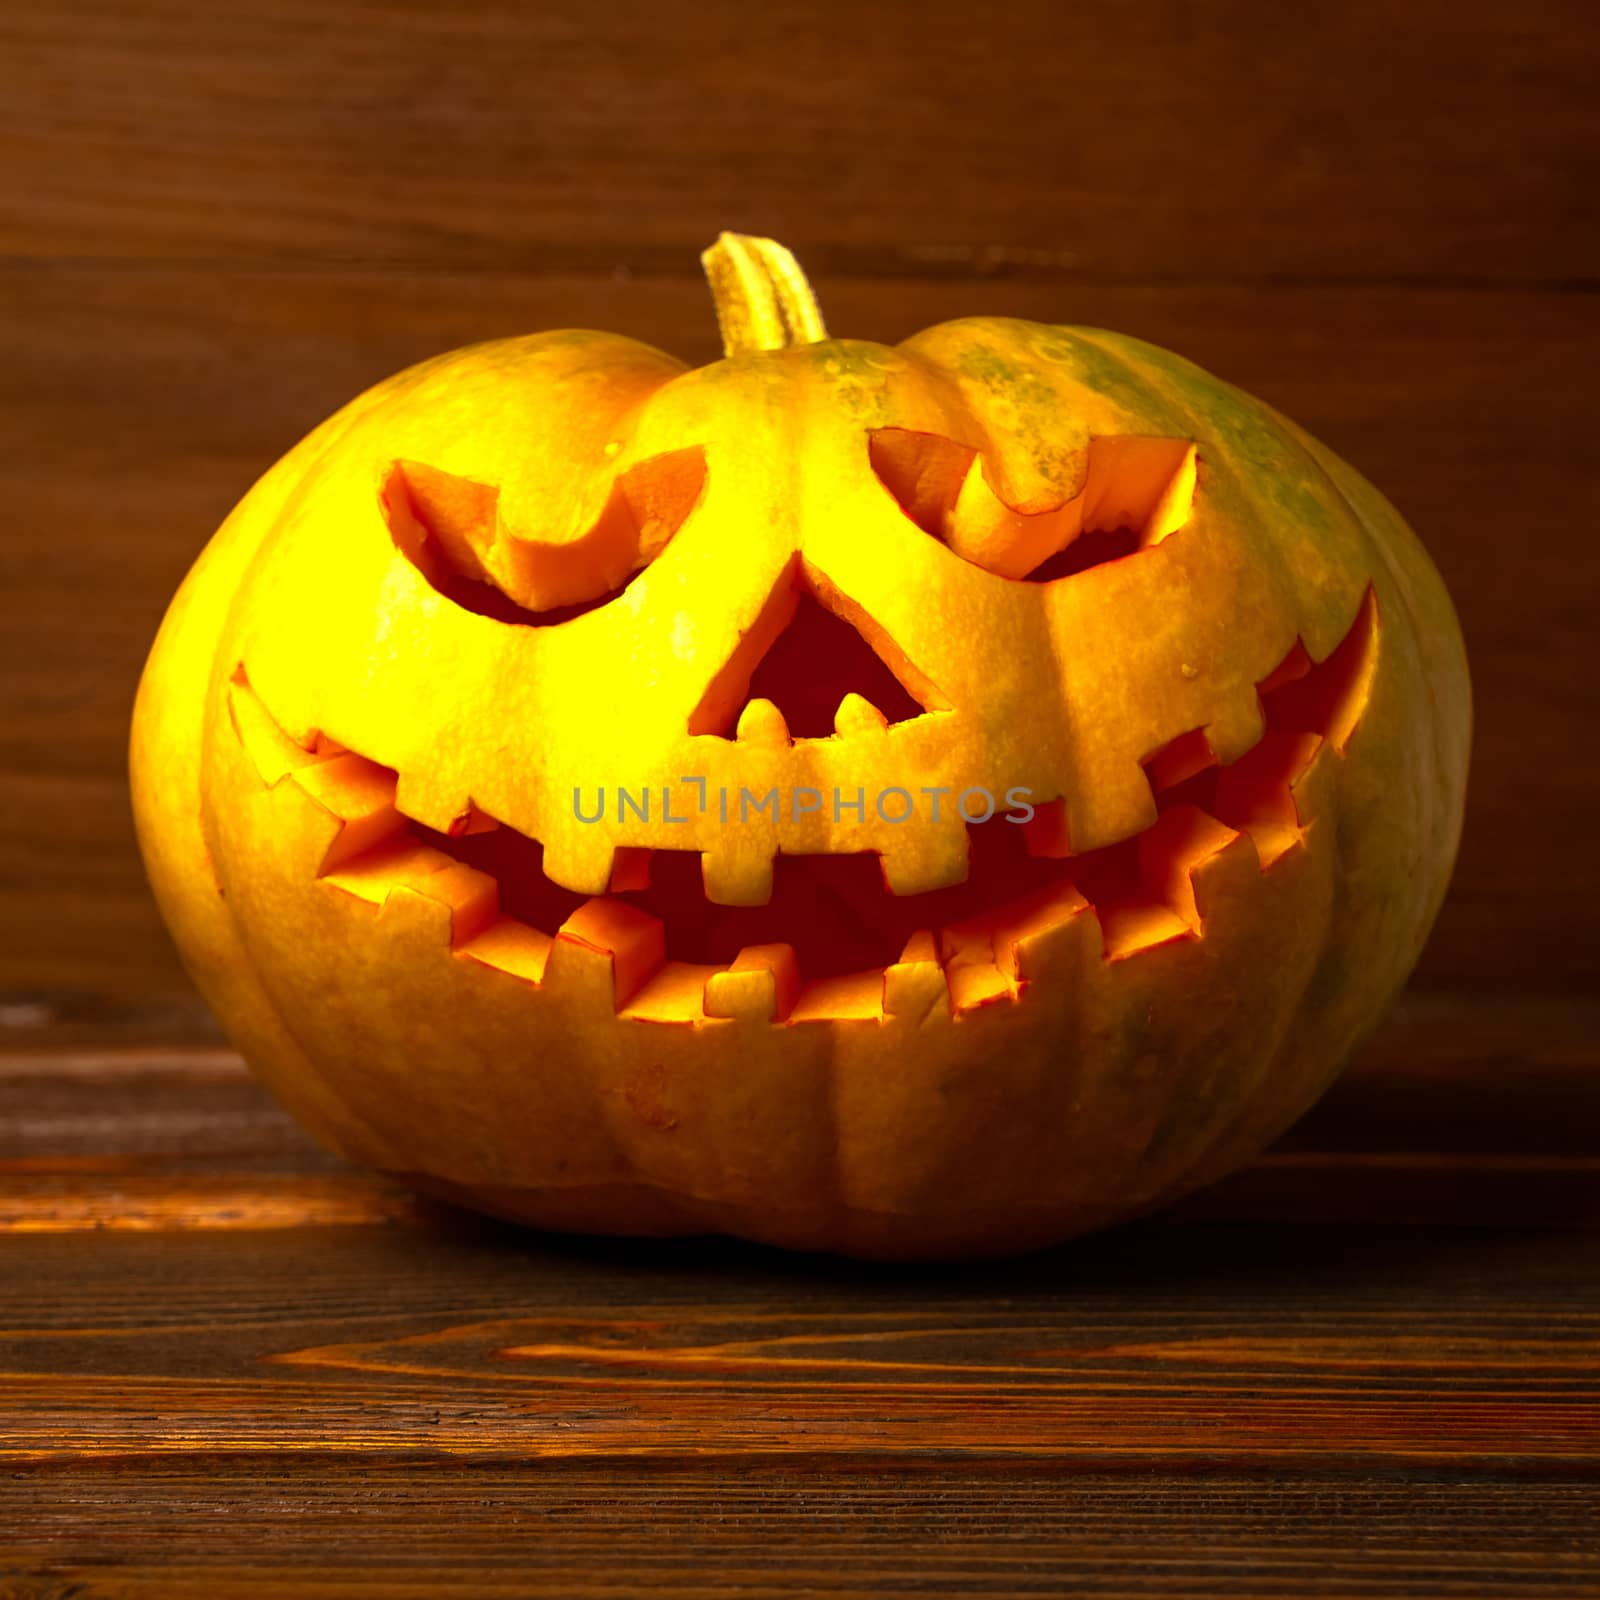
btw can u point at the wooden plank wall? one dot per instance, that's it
(219, 222)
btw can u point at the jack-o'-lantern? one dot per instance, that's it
(909, 801)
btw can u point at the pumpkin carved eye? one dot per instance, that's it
(1137, 490)
(453, 531)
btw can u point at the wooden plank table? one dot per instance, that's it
(1370, 1365)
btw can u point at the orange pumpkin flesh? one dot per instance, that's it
(1000, 556)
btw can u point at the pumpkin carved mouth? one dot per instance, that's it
(832, 942)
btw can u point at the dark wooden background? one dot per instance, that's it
(218, 222)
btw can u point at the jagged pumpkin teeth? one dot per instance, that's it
(1236, 728)
(762, 723)
(361, 794)
(992, 938)
(439, 806)
(1256, 796)
(734, 876)
(936, 860)
(471, 821)
(630, 940)
(1174, 763)
(1022, 947)
(675, 992)
(1044, 834)
(665, 865)
(857, 716)
(916, 987)
(1294, 666)
(1129, 927)
(630, 869)
(967, 943)
(510, 946)
(1171, 850)
(403, 863)
(851, 997)
(1162, 906)
(471, 896)
(762, 985)
(976, 984)
(974, 975)
(1332, 697)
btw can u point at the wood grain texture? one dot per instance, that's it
(1207, 1346)
(167, 1530)
(434, 1404)
(1160, 140)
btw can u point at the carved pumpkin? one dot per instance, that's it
(1202, 675)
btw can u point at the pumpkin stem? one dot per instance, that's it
(763, 300)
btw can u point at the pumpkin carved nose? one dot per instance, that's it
(815, 664)
(805, 671)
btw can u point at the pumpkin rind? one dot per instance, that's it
(1088, 1089)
